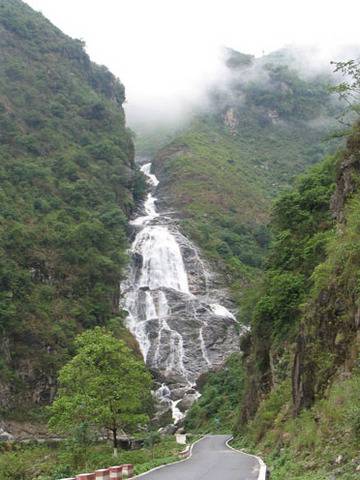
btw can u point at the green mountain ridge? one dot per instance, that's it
(292, 395)
(264, 126)
(271, 198)
(68, 186)
(296, 398)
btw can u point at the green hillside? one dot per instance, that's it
(262, 127)
(292, 396)
(296, 388)
(258, 181)
(68, 185)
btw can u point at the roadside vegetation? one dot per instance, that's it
(299, 406)
(65, 459)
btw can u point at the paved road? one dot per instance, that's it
(211, 460)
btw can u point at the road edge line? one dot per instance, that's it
(171, 463)
(263, 467)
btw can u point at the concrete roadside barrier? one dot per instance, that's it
(127, 470)
(116, 472)
(102, 474)
(185, 453)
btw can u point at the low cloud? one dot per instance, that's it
(183, 92)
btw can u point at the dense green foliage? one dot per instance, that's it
(301, 224)
(320, 442)
(222, 171)
(68, 184)
(220, 396)
(300, 398)
(104, 386)
(65, 459)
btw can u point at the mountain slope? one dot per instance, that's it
(68, 184)
(263, 126)
(314, 374)
(297, 386)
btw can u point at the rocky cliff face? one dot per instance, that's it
(329, 336)
(324, 338)
(176, 311)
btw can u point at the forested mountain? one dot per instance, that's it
(293, 392)
(68, 185)
(296, 393)
(256, 211)
(264, 123)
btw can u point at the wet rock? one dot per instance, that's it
(191, 390)
(186, 402)
(168, 430)
(163, 419)
(178, 311)
(178, 393)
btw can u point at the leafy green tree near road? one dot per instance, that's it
(103, 386)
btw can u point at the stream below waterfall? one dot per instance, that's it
(182, 328)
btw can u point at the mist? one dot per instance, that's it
(169, 54)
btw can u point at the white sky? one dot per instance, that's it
(165, 51)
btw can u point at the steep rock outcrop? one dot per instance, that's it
(329, 335)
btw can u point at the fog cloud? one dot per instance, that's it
(166, 52)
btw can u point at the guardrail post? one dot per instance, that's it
(116, 472)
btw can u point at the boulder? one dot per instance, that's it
(163, 419)
(168, 430)
(6, 436)
(186, 402)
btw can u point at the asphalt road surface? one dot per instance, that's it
(211, 460)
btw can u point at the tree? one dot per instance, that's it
(103, 386)
(349, 89)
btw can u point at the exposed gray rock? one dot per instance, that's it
(179, 313)
(186, 402)
(338, 459)
(168, 430)
(178, 393)
(163, 418)
(5, 436)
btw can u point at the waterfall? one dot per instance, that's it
(172, 325)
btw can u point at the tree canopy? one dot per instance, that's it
(103, 386)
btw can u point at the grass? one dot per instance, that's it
(58, 460)
(320, 442)
(223, 184)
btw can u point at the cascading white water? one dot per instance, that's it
(163, 266)
(157, 283)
